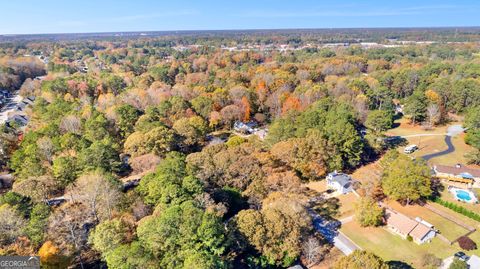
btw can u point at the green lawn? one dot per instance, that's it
(475, 236)
(447, 196)
(392, 247)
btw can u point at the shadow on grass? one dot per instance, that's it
(327, 207)
(398, 265)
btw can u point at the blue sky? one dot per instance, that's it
(67, 16)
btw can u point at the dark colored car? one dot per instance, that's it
(461, 256)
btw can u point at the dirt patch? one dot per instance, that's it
(317, 186)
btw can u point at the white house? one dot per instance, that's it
(247, 128)
(340, 182)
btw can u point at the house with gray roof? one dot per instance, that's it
(340, 182)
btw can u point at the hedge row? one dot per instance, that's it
(457, 208)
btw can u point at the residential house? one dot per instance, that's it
(419, 231)
(21, 106)
(19, 120)
(246, 128)
(340, 182)
(457, 173)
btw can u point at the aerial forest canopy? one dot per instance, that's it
(193, 151)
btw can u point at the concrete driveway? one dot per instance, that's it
(446, 263)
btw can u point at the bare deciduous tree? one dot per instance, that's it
(71, 124)
(98, 193)
(433, 114)
(45, 146)
(11, 224)
(69, 227)
(312, 251)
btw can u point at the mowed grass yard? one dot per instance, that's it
(446, 227)
(403, 127)
(392, 247)
(475, 224)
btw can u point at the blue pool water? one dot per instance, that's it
(463, 195)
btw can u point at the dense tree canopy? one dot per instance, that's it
(361, 259)
(132, 155)
(405, 179)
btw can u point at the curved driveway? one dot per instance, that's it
(450, 149)
(452, 130)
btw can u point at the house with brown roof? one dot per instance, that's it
(458, 173)
(405, 227)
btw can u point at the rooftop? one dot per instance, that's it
(401, 222)
(457, 170)
(342, 179)
(420, 231)
(406, 225)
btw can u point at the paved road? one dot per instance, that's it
(344, 243)
(329, 229)
(452, 130)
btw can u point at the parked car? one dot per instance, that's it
(410, 149)
(461, 256)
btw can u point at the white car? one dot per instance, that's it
(410, 149)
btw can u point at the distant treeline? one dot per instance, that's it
(352, 35)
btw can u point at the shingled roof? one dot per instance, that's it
(457, 170)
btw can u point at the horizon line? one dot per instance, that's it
(244, 29)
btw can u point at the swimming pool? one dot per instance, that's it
(463, 195)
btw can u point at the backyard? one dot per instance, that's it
(447, 196)
(392, 247)
(447, 228)
(340, 205)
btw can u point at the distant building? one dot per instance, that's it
(398, 109)
(19, 120)
(404, 226)
(340, 182)
(6, 181)
(246, 128)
